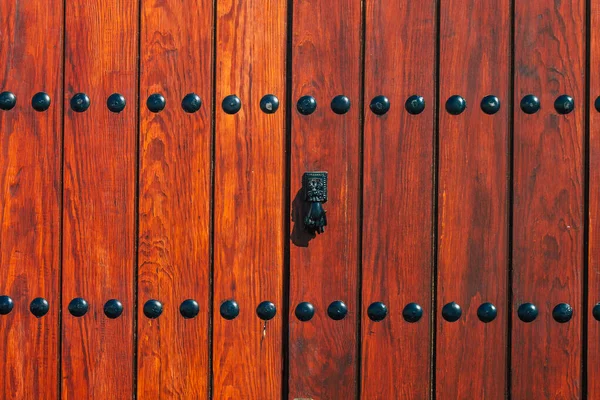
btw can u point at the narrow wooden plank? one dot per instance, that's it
(99, 187)
(326, 59)
(398, 193)
(31, 52)
(249, 198)
(472, 199)
(548, 198)
(175, 151)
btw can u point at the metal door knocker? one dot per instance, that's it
(315, 193)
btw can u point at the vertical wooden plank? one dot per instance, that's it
(398, 193)
(548, 198)
(31, 52)
(326, 60)
(472, 199)
(99, 187)
(249, 198)
(175, 151)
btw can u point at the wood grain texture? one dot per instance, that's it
(326, 62)
(548, 198)
(31, 35)
(249, 198)
(99, 205)
(398, 193)
(472, 199)
(175, 161)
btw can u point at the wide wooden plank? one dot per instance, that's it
(174, 210)
(398, 194)
(249, 198)
(326, 60)
(548, 198)
(472, 199)
(31, 53)
(99, 205)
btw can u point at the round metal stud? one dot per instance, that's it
(340, 104)
(304, 311)
(337, 310)
(490, 104)
(377, 311)
(562, 313)
(78, 307)
(40, 101)
(596, 311)
(191, 103)
(380, 105)
(451, 312)
(266, 310)
(487, 312)
(80, 102)
(564, 104)
(269, 104)
(306, 105)
(156, 102)
(455, 104)
(113, 308)
(116, 102)
(7, 101)
(6, 305)
(597, 104)
(412, 312)
(39, 307)
(527, 312)
(231, 104)
(153, 308)
(530, 104)
(415, 104)
(229, 309)
(189, 308)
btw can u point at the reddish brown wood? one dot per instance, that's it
(325, 63)
(99, 204)
(548, 198)
(31, 37)
(249, 198)
(398, 193)
(472, 199)
(175, 152)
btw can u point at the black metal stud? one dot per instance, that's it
(306, 105)
(455, 104)
(564, 104)
(189, 308)
(377, 311)
(6, 305)
(340, 104)
(562, 313)
(451, 312)
(156, 102)
(269, 104)
(78, 307)
(487, 312)
(229, 309)
(597, 104)
(530, 104)
(415, 104)
(231, 104)
(596, 311)
(490, 104)
(40, 101)
(266, 310)
(7, 101)
(305, 311)
(412, 312)
(380, 105)
(113, 308)
(527, 312)
(80, 102)
(116, 102)
(191, 103)
(39, 307)
(153, 308)
(337, 310)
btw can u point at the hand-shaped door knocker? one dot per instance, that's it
(315, 193)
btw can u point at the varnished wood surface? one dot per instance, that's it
(31, 55)
(548, 199)
(398, 194)
(99, 205)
